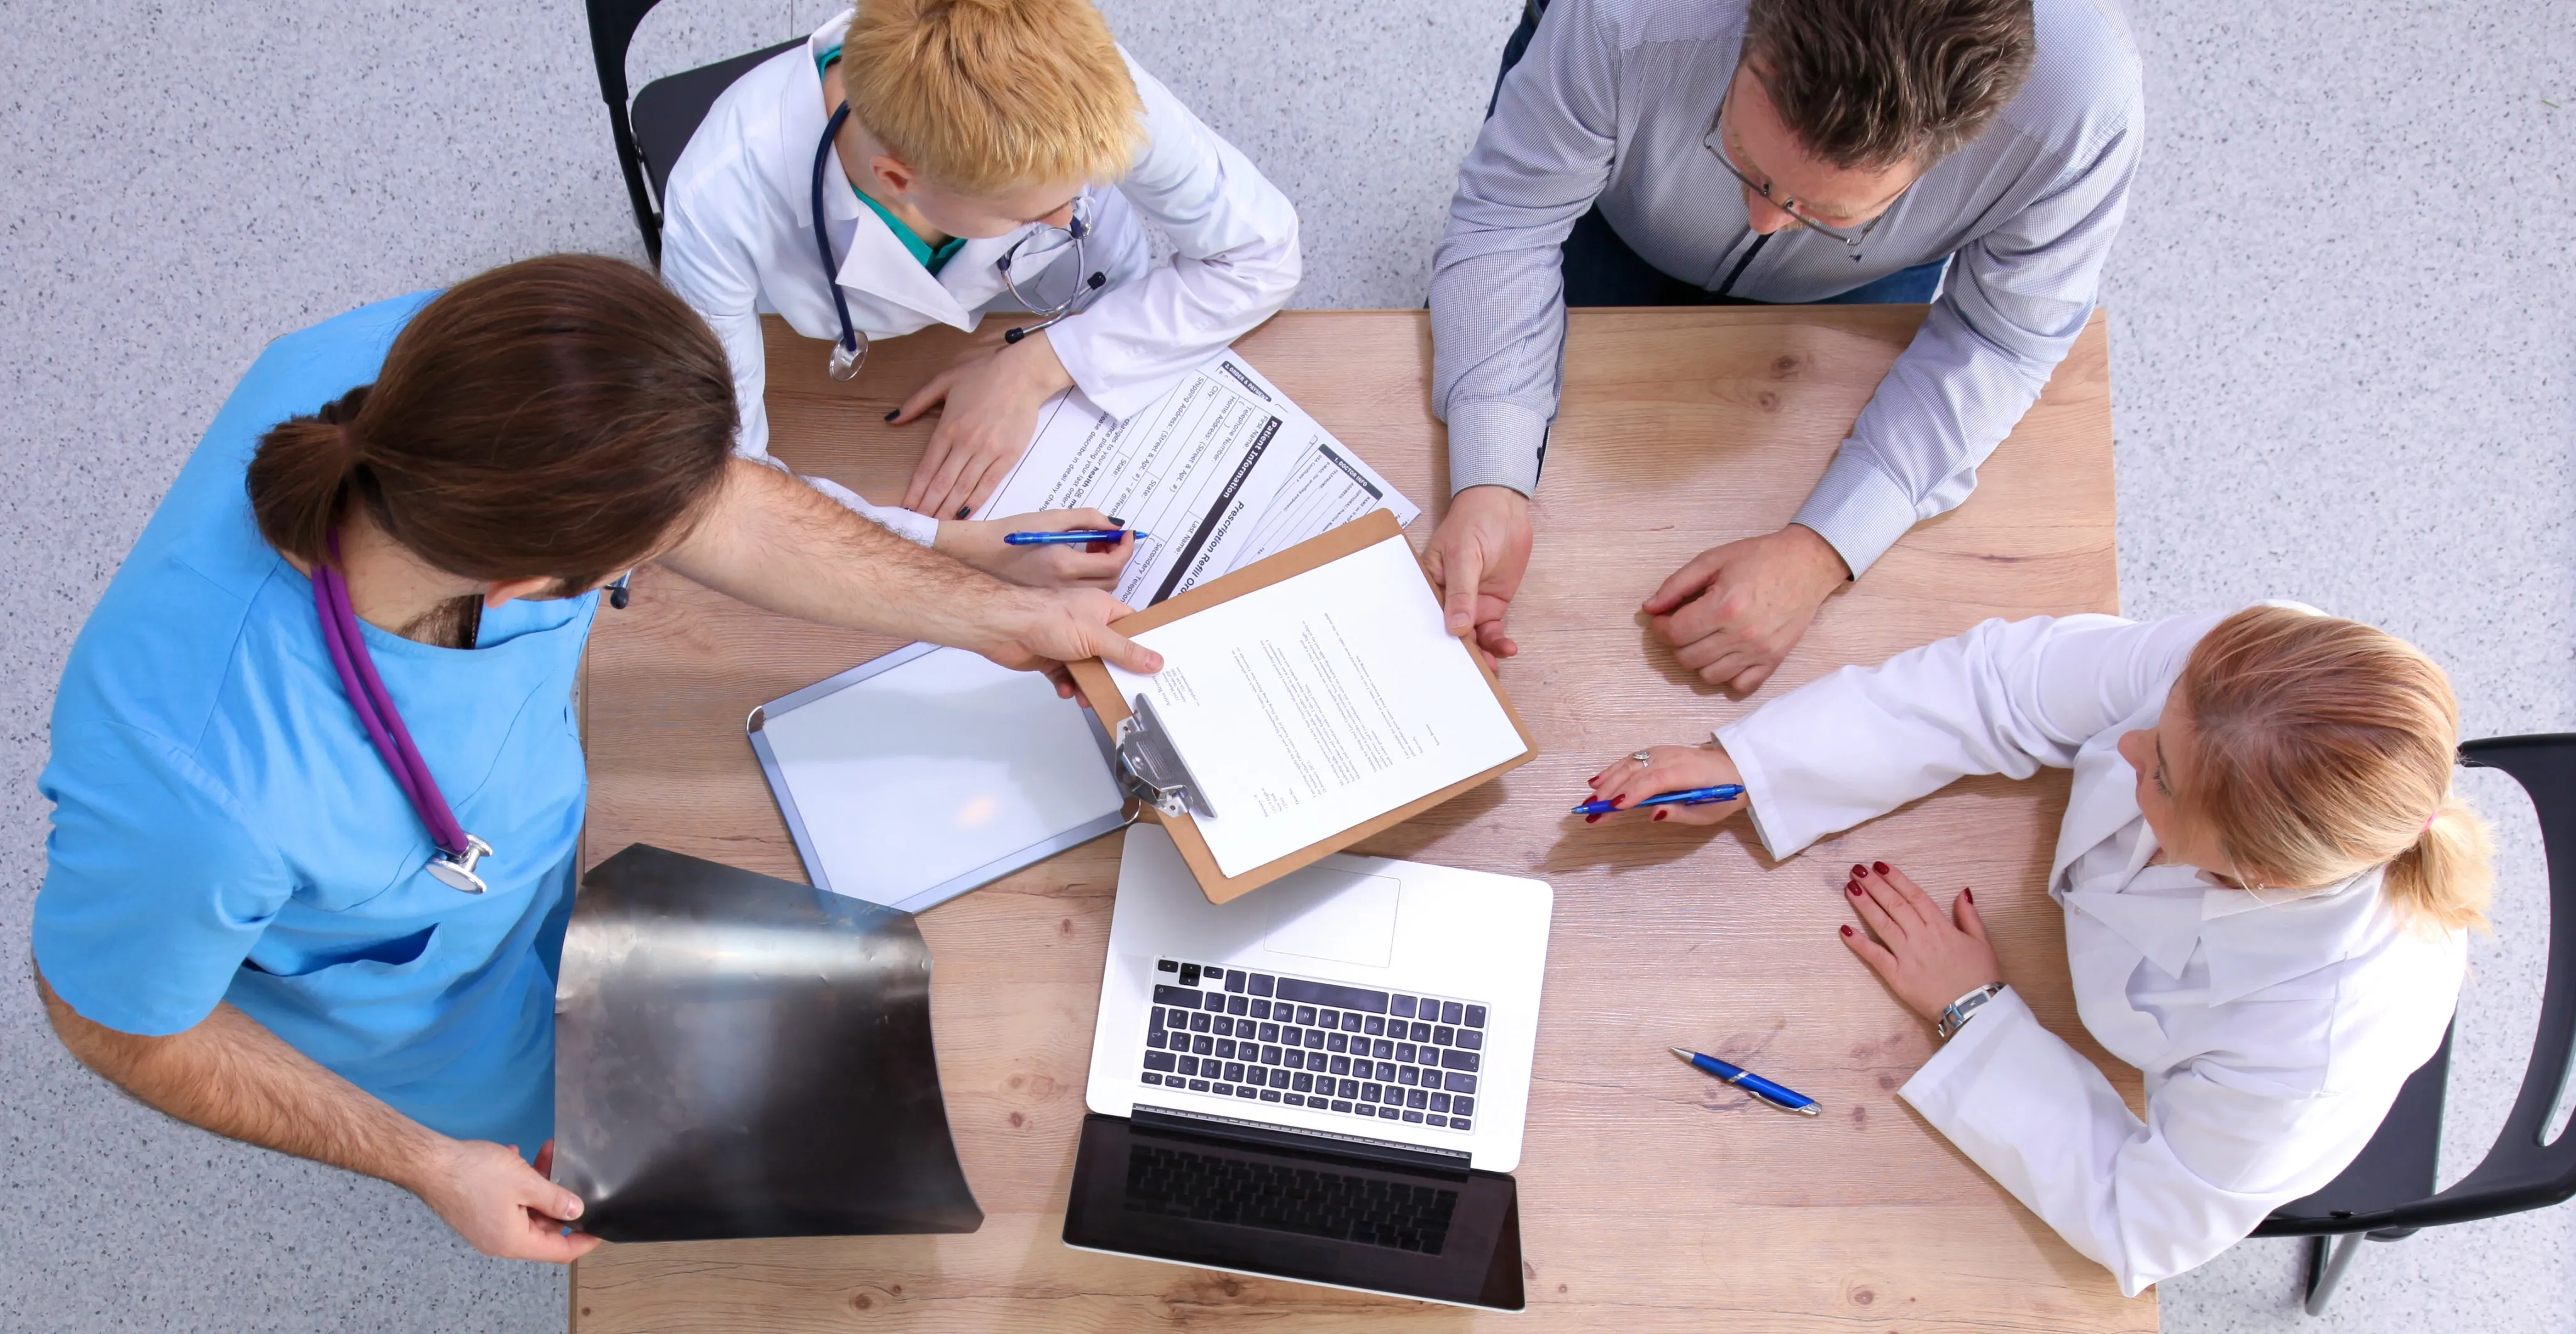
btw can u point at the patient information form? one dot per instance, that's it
(1219, 473)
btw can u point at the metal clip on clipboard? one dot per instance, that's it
(1150, 768)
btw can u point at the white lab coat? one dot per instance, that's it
(2273, 1031)
(738, 240)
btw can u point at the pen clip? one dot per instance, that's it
(1766, 1097)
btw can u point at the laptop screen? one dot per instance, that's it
(1192, 1198)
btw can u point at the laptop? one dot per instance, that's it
(1324, 1081)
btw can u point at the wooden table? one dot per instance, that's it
(1652, 1198)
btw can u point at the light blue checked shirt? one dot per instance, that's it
(1612, 103)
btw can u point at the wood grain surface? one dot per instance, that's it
(1652, 1197)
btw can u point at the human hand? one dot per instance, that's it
(978, 542)
(1670, 769)
(991, 409)
(500, 1205)
(1476, 559)
(1736, 610)
(1042, 631)
(1927, 958)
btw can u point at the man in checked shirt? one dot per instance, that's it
(1975, 154)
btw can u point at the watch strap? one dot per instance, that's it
(1956, 1014)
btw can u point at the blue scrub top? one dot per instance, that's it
(224, 831)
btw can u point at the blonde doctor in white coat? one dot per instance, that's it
(2266, 879)
(975, 127)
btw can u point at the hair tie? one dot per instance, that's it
(2428, 824)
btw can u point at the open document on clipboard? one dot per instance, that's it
(1306, 701)
(1220, 472)
(911, 779)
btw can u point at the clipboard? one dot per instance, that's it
(1152, 770)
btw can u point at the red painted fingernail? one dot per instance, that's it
(1853, 889)
(1969, 894)
(1596, 777)
(1847, 931)
(1859, 870)
(1661, 814)
(1880, 867)
(1592, 819)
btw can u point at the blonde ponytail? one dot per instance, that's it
(2446, 879)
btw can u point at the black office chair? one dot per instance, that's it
(651, 133)
(2387, 1193)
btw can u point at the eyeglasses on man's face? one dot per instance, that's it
(1715, 142)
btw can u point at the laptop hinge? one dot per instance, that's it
(1311, 1141)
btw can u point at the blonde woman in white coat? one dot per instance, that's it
(2266, 876)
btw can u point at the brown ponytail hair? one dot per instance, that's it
(559, 417)
(2326, 748)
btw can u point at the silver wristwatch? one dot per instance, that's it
(1955, 1014)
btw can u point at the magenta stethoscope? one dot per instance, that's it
(458, 851)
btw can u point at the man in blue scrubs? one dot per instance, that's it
(236, 924)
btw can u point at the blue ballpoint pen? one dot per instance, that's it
(1754, 1084)
(1698, 796)
(1083, 535)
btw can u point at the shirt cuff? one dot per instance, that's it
(902, 523)
(1858, 510)
(1940, 1087)
(1757, 782)
(1494, 443)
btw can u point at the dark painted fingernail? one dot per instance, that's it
(1661, 814)
(1116, 522)
(1592, 819)
(1847, 931)
(1859, 870)
(1852, 889)
(1969, 894)
(964, 510)
(892, 413)
(1880, 867)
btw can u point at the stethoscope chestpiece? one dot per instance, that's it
(846, 359)
(456, 871)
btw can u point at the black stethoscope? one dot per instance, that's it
(852, 349)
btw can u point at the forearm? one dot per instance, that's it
(1497, 279)
(1915, 449)
(774, 543)
(1197, 306)
(1862, 741)
(2144, 1199)
(233, 1077)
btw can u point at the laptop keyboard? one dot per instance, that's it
(1212, 1188)
(1323, 1046)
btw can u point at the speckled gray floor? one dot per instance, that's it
(2344, 339)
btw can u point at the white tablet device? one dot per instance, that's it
(912, 779)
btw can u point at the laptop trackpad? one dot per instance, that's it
(1322, 913)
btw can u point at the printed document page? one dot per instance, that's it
(1321, 702)
(1218, 473)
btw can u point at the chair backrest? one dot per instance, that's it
(612, 30)
(654, 125)
(2519, 1171)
